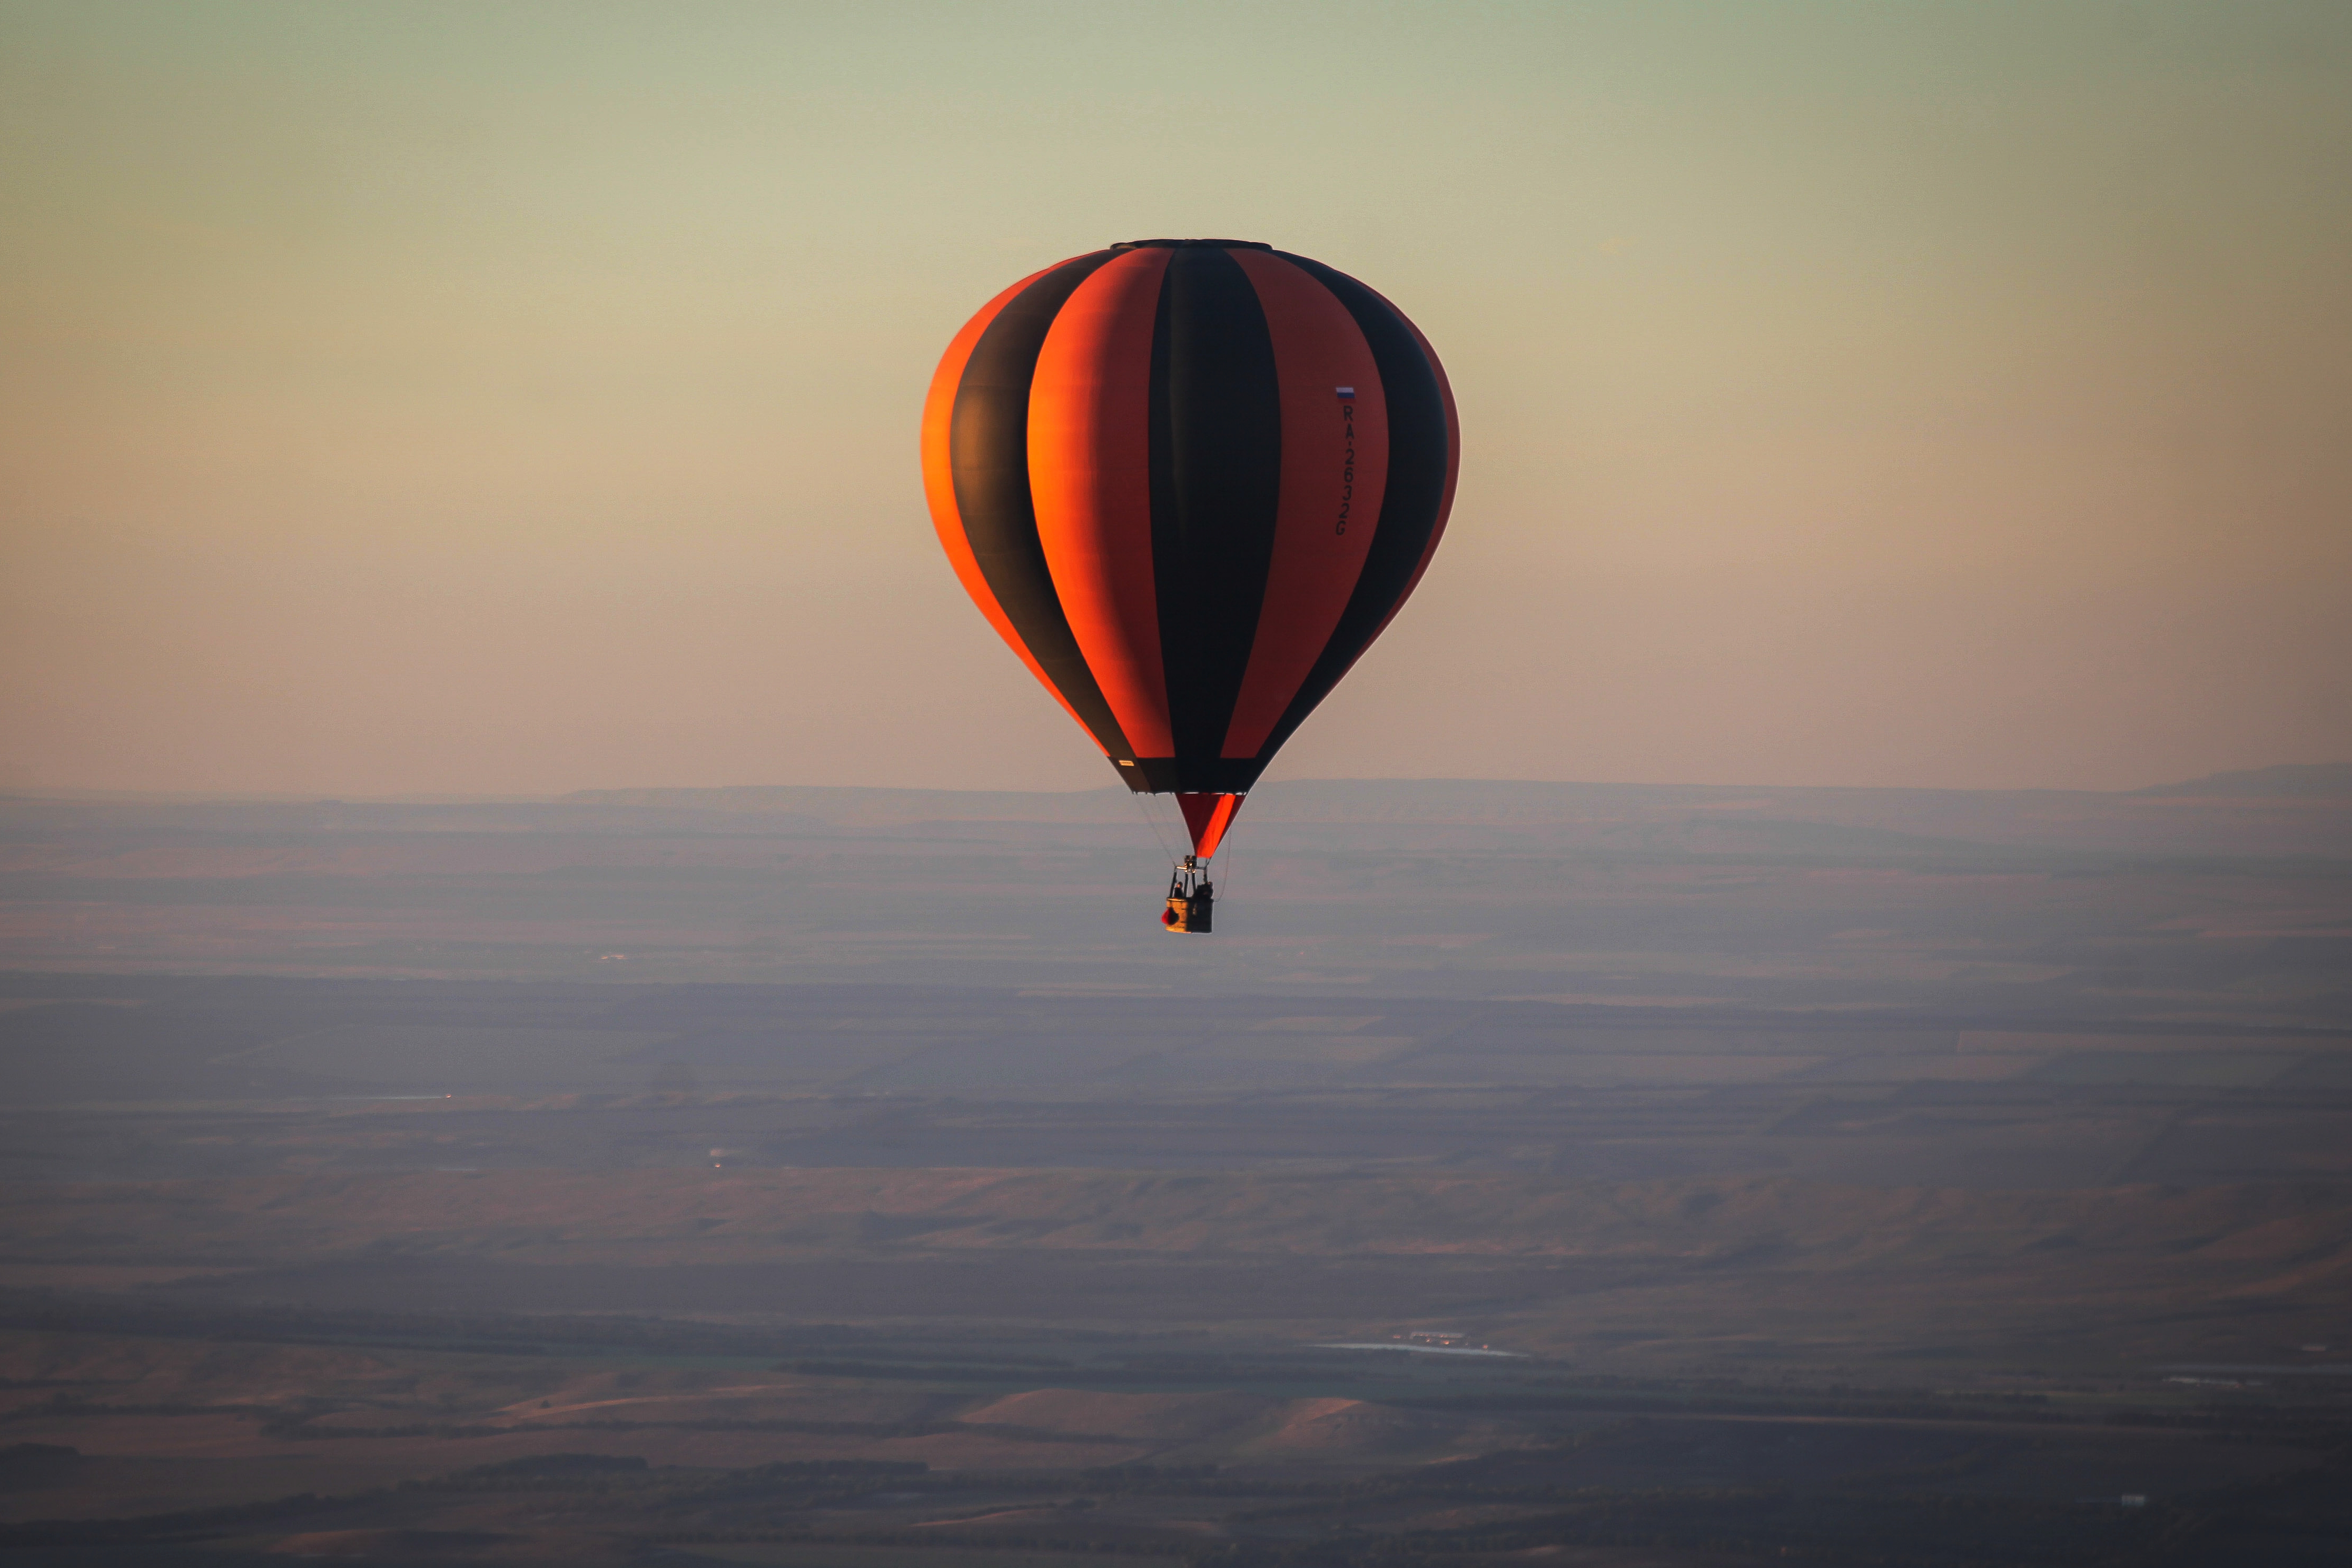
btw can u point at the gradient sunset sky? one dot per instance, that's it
(492, 398)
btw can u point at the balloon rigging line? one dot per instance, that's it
(1153, 823)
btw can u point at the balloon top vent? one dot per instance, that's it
(1189, 243)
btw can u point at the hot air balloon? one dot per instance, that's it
(1189, 481)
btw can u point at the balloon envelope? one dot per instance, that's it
(1189, 482)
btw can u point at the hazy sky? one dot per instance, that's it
(495, 398)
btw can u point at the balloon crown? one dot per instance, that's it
(1189, 243)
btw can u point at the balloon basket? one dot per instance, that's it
(1191, 901)
(1188, 915)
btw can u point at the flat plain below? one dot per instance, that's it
(822, 1177)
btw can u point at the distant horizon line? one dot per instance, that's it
(2279, 773)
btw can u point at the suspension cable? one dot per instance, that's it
(1153, 823)
(1227, 874)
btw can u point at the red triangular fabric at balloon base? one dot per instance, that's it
(1208, 816)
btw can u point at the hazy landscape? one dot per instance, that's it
(422, 422)
(837, 1176)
